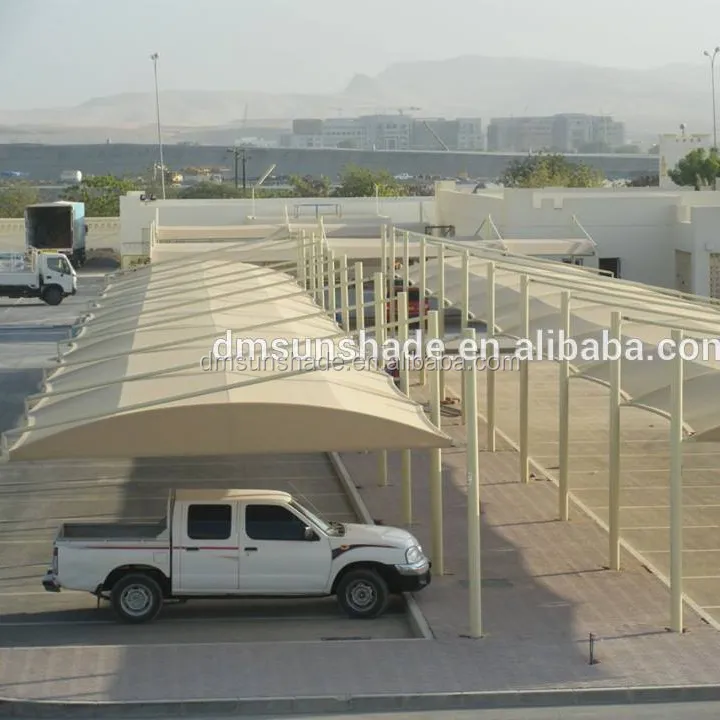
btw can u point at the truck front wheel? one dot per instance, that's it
(363, 593)
(136, 598)
(52, 295)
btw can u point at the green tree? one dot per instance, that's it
(101, 194)
(309, 186)
(15, 198)
(361, 182)
(550, 170)
(699, 168)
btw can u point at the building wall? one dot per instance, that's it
(674, 147)
(642, 227)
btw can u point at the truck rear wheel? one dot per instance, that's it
(362, 593)
(52, 295)
(136, 598)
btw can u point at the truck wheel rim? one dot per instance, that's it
(361, 595)
(136, 600)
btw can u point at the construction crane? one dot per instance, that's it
(411, 108)
(436, 136)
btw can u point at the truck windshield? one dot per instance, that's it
(322, 524)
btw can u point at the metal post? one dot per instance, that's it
(344, 293)
(379, 298)
(320, 255)
(332, 284)
(423, 314)
(406, 457)
(441, 291)
(302, 261)
(490, 375)
(525, 382)
(564, 403)
(359, 297)
(312, 269)
(465, 302)
(155, 57)
(473, 498)
(383, 250)
(437, 552)
(614, 447)
(676, 485)
(406, 261)
(391, 263)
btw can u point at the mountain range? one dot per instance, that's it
(649, 101)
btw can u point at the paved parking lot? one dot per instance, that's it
(35, 498)
(645, 474)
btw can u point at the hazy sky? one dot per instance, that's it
(63, 52)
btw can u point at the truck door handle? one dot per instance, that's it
(250, 549)
(192, 549)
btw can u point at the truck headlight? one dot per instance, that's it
(414, 555)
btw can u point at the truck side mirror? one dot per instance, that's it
(310, 534)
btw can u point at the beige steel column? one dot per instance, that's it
(614, 448)
(525, 382)
(473, 498)
(564, 410)
(344, 292)
(465, 303)
(490, 375)
(359, 298)
(380, 305)
(423, 313)
(437, 552)
(332, 284)
(406, 456)
(676, 487)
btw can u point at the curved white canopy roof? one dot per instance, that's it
(131, 384)
(594, 297)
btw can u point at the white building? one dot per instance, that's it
(673, 148)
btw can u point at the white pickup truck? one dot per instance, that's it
(236, 543)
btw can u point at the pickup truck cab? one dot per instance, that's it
(236, 543)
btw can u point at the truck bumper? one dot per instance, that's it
(411, 578)
(50, 582)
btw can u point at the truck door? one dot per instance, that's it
(207, 549)
(276, 555)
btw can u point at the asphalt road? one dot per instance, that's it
(672, 711)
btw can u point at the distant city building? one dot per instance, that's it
(387, 132)
(566, 132)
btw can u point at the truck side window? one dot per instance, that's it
(209, 522)
(272, 522)
(55, 264)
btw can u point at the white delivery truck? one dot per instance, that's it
(236, 543)
(37, 274)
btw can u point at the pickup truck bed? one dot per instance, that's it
(112, 531)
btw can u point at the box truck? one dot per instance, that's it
(57, 226)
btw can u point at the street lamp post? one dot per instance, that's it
(154, 57)
(240, 154)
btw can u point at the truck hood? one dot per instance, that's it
(376, 535)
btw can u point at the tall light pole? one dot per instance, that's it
(154, 57)
(713, 56)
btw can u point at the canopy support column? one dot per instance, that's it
(614, 449)
(332, 284)
(490, 373)
(525, 382)
(406, 456)
(473, 498)
(676, 483)
(359, 298)
(301, 261)
(437, 551)
(383, 250)
(379, 297)
(465, 302)
(441, 310)
(344, 293)
(406, 261)
(321, 268)
(564, 410)
(393, 257)
(423, 311)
